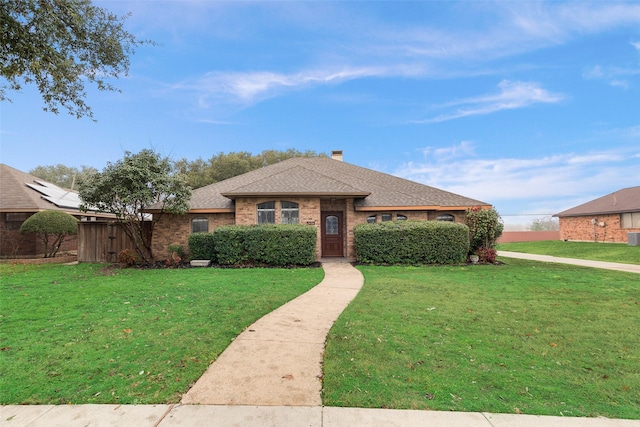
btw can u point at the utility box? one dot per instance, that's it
(633, 239)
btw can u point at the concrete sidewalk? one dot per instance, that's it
(276, 416)
(629, 268)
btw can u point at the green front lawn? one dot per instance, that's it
(612, 252)
(524, 337)
(93, 334)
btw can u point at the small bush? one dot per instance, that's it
(176, 255)
(202, 246)
(128, 257)
(486, 255)
(276, 245)
(412, 242)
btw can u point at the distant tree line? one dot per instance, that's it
(197, 173)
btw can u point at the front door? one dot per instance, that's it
(332, 237)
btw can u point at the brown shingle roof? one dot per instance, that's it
(327, 177)
(625, 200)
(22, 192)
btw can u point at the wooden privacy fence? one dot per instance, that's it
(101, 241)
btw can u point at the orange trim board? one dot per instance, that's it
(415, 208)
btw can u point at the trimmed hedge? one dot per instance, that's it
(412, 242)
(202, 246)
(272, 244)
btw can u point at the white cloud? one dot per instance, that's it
(528, 185)
(251, 87)
(512, 95)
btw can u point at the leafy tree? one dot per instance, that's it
(544, 224)
(58, 45)
(52, 227)
(222, 166)
(130, 186)
(485, 226)
(61, 175)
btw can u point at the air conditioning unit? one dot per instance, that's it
(633, 239)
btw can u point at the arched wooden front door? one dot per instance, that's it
(332, 234)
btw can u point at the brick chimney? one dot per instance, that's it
(336, 155)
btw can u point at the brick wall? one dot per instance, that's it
(580, 228)
(308, 214)
(175, 230)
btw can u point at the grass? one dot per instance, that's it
(612, 252)
(523, 337)
(92, 334)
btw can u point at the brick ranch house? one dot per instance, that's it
(325, 193)
(22, 195)
(606, 219)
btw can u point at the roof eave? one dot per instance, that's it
(417, 208)
(323, 194)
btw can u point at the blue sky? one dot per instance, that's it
(532, 107)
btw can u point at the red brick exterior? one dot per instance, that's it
(175, 230)
(606, 229)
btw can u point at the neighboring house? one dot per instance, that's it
(22, 195)
(326, 193)
(607, 219)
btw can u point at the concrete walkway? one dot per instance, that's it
(278, 359)
(629, 268)
(270, 376)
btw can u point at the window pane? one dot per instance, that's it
(199, 225)
(331, 225)
(386, 217)
(289, 213)
(371, 219)
(445, 217)
(401, 217)
(267, 213)
(630, 220)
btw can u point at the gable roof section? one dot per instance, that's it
(621, 201)
(324, 177)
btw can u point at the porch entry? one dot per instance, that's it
(332, 234)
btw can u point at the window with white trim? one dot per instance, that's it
(372, 218)
(401, 217)
(446, 217)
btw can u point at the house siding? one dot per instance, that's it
(580, 228)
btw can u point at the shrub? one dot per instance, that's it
(51, 227)
(486, 254)
(276, 245)
(176, 255)
(412, 242)
(202, 246)
(128, 257)
(485, 226)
